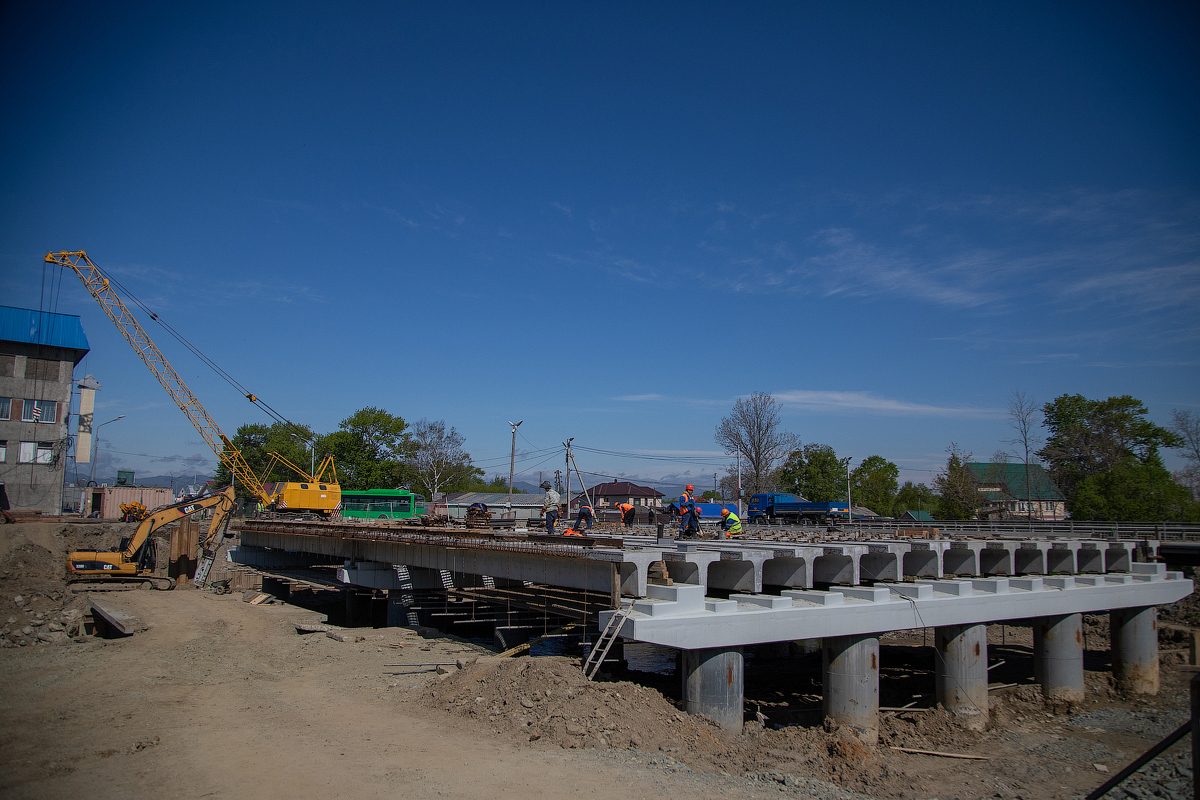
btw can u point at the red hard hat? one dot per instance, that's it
(690, 488)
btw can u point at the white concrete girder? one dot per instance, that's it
(680, 616)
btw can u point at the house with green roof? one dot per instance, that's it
(1012, 491)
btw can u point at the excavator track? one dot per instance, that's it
(120, 584)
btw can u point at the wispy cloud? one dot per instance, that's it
(867, 402)
(639, 398)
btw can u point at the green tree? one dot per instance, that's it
(1134, 491)
(915, 498)
(874, 484)
(956, 485)
(369, 450)
(1092, 437)
(814, 472)
(711, 496)
(476, 483)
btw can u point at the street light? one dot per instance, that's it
(849, 500)
(312, 455)
(95, 450)
(512, 461)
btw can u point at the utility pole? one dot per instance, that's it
(739, 482)
(567, 445)
(849, 501)
(512, 461)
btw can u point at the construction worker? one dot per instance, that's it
(627, 514)
(550, 506)
(689, 519)
(731, 523)
(585, 514)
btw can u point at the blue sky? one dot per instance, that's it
(612, 220)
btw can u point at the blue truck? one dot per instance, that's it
(790, 509)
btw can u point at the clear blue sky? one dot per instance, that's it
(611, 220)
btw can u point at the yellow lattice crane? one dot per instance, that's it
(312, 495)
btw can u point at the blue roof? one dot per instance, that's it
(42, 327)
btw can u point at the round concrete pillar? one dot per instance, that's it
(1134, 641)
(1058, 657)
(713, 685)
(851, 684)
(961, 673)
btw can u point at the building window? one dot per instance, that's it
(41, 369)
(36, 453)
(44, 411)
(3, 451)
(5, 407)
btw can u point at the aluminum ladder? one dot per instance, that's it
(603, 644)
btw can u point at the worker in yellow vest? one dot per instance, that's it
(731, 523)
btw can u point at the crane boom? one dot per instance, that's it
(98, 285)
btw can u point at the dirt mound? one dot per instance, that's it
(548, 702)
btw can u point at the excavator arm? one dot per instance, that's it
(224, 506)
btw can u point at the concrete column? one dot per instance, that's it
(712, 685)
(962, 674)
(1058, 657)
(851, 684)
(1134, 643)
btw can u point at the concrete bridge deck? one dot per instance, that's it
(742, 565)
(844, 592)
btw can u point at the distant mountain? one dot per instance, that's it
(163, 481)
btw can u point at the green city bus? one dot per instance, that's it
(381, 504)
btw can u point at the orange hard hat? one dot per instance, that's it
(690, 488)
(724, 512)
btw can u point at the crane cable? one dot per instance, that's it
(232, 381)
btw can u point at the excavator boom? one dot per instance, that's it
(133, 559)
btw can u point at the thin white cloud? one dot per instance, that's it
(867, 402)
(639, 398)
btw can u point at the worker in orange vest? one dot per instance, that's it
(585, 514)
(627, 514)
(689, 519)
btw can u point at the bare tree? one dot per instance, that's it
(1187, 425)
(439, 459)
(1022, 418)
(753, 429)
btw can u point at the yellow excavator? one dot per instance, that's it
(132, 561)
(314, 494)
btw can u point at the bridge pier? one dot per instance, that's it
(1058, 656)
(713, 681)
(850, 694)
(962, 674)
(1134, 642)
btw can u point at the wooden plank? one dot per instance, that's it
(117, 618)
